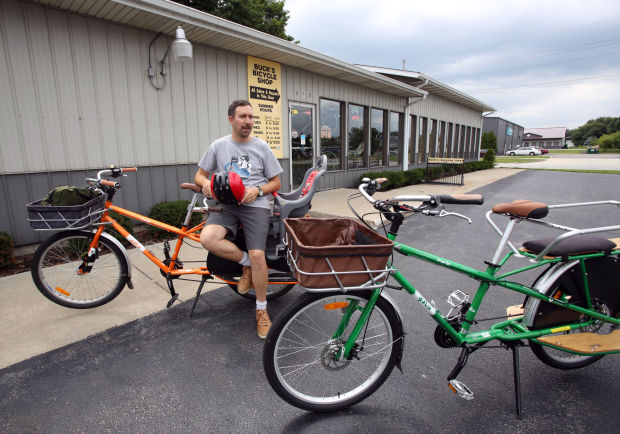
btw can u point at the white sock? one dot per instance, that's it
(261, 305)
(245, 260)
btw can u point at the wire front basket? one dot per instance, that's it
(336, 254)
(50, 218)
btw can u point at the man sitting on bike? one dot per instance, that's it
(253, 209)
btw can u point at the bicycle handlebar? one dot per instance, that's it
(109, 183)
(461, 199)
(431, 204)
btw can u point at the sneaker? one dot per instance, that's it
(245, 281)
(263, 323)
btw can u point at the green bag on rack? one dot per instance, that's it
(66, 195)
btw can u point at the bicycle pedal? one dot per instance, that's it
(461, 389)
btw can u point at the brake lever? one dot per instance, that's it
(444, 213)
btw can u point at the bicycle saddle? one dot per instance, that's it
(523, 208)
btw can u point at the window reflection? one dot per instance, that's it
(357, 142)
(331, 132)
(422, 140)
(412, 137)
(432, 145)
(377, 120)
(396, 137)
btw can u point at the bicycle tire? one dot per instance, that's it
(305, 375)
(568, 284)
(55, 264)
(273, 290)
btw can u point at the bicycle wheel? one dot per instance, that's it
(55, 266)
(274, 290)
(300, 359)
(568, 285)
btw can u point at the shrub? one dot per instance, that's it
(489, 156)
(609, 141)
(172, 213)
(6, 250)
(414, 176)
(396, 179)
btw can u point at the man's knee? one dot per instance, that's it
(257, 258)
(211, 235)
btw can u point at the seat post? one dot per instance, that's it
(505, 237)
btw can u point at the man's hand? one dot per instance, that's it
(251, 193)
(206, 189)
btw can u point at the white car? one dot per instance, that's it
(525, 150)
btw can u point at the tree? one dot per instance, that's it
(488, 141)
(267, 16)
(594, 128)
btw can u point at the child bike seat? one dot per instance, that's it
(523, 208)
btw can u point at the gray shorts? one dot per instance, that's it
(255, 223)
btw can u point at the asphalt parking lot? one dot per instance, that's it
(166, 373)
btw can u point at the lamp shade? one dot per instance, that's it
(181, 49)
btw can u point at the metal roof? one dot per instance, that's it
(164, 16)
(548, 133)
(433, 86)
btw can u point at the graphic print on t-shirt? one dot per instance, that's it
(240, 165)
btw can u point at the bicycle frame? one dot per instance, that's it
(510, 330)
(182, 233)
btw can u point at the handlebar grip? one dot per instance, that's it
(129, 169)
(110, 183)
(461, 199)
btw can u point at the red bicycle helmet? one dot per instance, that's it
(227, 187)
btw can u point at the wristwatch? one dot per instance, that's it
(260, 190)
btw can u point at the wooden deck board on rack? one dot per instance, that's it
(513, 312)
(585, 343)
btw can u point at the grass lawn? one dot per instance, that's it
(519, 159)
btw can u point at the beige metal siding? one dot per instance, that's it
(436, 107)
(77, 94)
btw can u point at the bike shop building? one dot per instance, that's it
(92, 83)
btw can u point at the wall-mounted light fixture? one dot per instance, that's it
(180, 50)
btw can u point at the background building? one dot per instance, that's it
(545, 137)
(82, 89)
(509, 135)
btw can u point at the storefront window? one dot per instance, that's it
(450, 139)
(357, 137)
(462, 144)
(441, 139)
(331, 132)
(396, 137)
(432, 143)
(468, 143)
(412, 137)
(422, 131)
(377, 121)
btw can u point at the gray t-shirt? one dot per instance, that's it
(253, 161)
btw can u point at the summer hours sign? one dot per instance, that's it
(264, 89)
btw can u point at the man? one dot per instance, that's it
(256, 164)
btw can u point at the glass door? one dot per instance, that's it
(302, 141)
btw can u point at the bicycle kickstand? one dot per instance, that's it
(202, 283)
(172, 292)
(514, 346)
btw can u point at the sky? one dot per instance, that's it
(541, 63)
